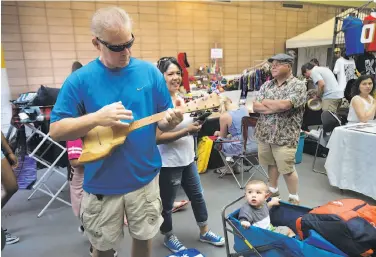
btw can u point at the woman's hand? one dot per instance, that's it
(194, 127)
(217, 133)
(13, 160)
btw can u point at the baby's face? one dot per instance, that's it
(256, 194)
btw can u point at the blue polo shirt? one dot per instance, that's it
(142, 89)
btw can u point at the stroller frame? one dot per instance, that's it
(226, 221)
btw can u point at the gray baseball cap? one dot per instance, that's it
(282, 58)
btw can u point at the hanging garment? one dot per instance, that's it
(366, 64)
(371, 47)
(352, 27)
(183, 62)
(250, 82)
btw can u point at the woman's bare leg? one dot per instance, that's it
(8, 180)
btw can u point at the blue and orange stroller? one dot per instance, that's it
(260, 242)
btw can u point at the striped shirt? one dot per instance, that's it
(74, 149)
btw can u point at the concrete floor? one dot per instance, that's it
(55, 233)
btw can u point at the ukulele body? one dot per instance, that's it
(101, 141)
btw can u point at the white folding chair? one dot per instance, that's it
(41, 184)
(245, 157)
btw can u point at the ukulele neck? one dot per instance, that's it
(196, 105)
(146, 121)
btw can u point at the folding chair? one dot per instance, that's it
(41, 184)
(329, 122)
(244, 157)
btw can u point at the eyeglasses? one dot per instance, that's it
(118, 48)
(278, 64)
(165, 59)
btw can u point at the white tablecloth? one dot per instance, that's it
(351, 163)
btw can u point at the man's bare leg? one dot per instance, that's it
(273, 176)
(141, 248)
(292, 182)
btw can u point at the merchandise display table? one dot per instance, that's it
(351, 161)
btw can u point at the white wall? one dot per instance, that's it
(307, 53)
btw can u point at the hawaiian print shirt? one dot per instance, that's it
(282, 128)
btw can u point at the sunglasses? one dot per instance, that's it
(165, 59)
(118, 48)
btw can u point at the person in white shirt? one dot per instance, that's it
(345, 70)
(363, 105)
(178, 167)
(327, 86)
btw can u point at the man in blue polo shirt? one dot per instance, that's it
(109, 91)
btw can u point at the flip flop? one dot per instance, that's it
(182, 204)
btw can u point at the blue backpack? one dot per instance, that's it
(187, 253)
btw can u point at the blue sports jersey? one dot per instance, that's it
(142, 89)
(352, 27)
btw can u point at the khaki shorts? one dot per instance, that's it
(331, 105)
(281, 156)
(103, 219)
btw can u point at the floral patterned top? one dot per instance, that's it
(282, 128)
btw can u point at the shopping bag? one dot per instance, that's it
(203, 153)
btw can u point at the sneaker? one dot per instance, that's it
(211, 238)
(11, 239)
(294, 201)
(91, 252)
(173, 244)
(81, 229)
(276, 194)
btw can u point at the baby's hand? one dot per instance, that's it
(274, 201)
(245, 224)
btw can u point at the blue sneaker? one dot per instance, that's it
(211, 238)
(173, 244)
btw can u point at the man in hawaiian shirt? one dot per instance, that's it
(280, 103)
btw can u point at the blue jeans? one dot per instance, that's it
(170, 180)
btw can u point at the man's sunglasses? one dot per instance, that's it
(118, 48)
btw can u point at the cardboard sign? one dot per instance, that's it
(216, 53)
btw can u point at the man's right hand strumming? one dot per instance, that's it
(113, 114)
(73, 128)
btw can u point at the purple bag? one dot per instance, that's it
(26, 172)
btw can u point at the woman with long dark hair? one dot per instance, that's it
(362, 105)
(178, 167)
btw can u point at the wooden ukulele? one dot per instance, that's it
(101, 141)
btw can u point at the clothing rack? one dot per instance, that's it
(338, 35)
(252, 78)
(260, 63)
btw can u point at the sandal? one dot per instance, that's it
(180, 205)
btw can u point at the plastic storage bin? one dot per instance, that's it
(299, 150)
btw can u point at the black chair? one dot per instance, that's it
(329, 122)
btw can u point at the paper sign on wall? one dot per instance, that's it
(216, 53)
